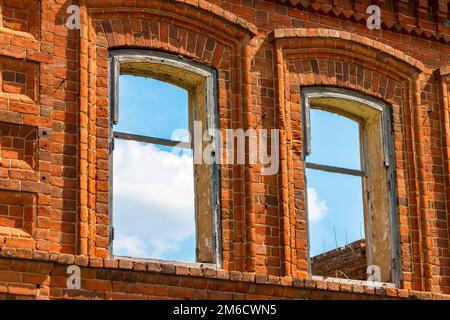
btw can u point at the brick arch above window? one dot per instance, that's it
(128, 32)
(342, 44)
(343, 73)
(195, 12)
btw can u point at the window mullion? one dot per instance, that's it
(321, 167)
(152, 140)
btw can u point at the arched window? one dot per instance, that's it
(350, 186)
(164, 206)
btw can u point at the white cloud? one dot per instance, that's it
(129, 245)
(317, 208)
(153, 202)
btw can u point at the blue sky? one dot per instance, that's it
(153, 194)
(335, 200)
(151, 107)
(154, 188)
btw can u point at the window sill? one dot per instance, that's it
(300, 288)
(14, 232)
(372, 284)
(167, 262)
(18, 34)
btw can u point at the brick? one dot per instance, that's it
(22, 289)
(235, 276)
(259, 278)
(154, 267)
(111, 263)
(95, 262)
(182, 270)
(82, 261)
(96, 285)
(125, 264)
(195, 272)
(168, 268)
(310, 284)
(248, 277)
(299, 283)
(210, 273)
(139, 266)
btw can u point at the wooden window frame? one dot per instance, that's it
(200, 81)
(374, 117)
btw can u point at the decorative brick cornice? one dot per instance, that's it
(396, 20)
(224, 14)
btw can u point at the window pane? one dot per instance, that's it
(154, 215)
(335, 210)
(335, 140)
(151, 108)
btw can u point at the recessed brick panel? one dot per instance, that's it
(18, 146)
(21, 15)
(18, 77)
(14, 82)
(17, 210)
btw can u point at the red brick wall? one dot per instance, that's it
(18, 210)
(349, 262)
(21, 15)
(45, 278)
(264, 51)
